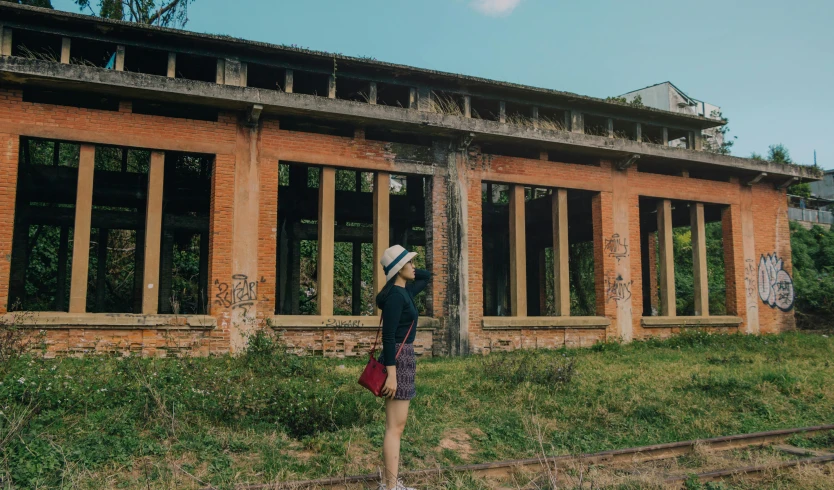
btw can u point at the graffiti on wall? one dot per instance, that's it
(616, 247)
(242, 293)
(775, 284)
(617, 289)
(750, 288)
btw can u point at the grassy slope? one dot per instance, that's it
(265, 416)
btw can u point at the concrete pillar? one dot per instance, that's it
(518, 252)
(232, 72)
(120, 58)
(412, 98)
(221, 71)
(326, 225)
(288, 81)
(665, 136)
(153, 234)
(5, 40)
(751, 262)
(697, 141)
(534, 115)
(561, 272)
(244, 75)
(81, 231)
(502, 112)
(372, 93)
(610, 125)
(172, 65)
(467, 106)
(577, 122)
(699, 259)
(667, 258)
(690, 140)
(454, 236)
(382, 217)
(638, 132)
(65, 50)
(423, 99)
(331, 87)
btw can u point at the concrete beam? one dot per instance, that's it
(699, 259)
(276, 102)
(172, 65)
(66, 44)
(382, 220)
(626, 162)
(667, 258)
(81, 231)
(153, 234)
(120, 58)
(254, 115)
(561, 273)
(756, 179)
(787, 183)
(518, 252)
(326, 249)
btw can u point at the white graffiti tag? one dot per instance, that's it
(775, 284)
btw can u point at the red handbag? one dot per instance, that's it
(375, 375)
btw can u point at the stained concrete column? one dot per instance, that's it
(65, 50)
(749, 253)
(172, 65)
(120, 58)
(220, 77)
(697, 141)
(382, 190)
(288, 81)
(502, 112)
(326, 249)
(5, 40)
(667, 258)
(467, 106)
(577, 122)
(331, 87)
(638, 132)
(153, 234)
(518, 252)
(458, 207)
(372, 93)
(561, 273)
(81, 230)
(610, 127)
(665, 136)
(699, 259)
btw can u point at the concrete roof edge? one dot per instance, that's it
(701, 121)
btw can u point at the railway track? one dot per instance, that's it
(618, 457)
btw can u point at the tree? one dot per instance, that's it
(169, 13)
(778, 153)
(34, 3)
(726, 145)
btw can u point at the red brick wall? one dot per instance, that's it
(274, 144)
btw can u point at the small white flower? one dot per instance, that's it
(21, 380)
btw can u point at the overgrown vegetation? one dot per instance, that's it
(264, 416)
(813, 275)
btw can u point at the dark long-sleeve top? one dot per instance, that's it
(398, 312)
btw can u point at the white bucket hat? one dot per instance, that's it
(393, 259)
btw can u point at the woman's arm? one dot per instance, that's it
(421, 280)
(391, 312)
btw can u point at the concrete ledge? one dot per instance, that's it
(108, 321)
(690, 321)
(543, 322)
(309, 322)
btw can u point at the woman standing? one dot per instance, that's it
(399, 326)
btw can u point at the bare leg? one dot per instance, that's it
(396, 413)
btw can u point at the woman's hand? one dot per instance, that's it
(390, 387)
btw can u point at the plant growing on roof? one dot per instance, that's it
(167, 13)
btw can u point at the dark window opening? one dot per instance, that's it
(553, 119)
(183, 260)
(392, 95)
(519, 114)
(678, 138)
(83, 100)
(353, 89)
(716, 176)
(625, 130)
(306, 125)
(575, 158)
(146, 60)
(408, 222)
(305, 82)
(353, 274)
(485, 109)
(391, 136)
(508, 150)
(495, 224)
(44, 218)
(196, 67)
(660, 167)
(448, 103)
(92, 53)
(172, 109)
(265, 76)
(36, 45)
(596, 125)
(652, 134)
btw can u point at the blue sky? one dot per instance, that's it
(769, 64)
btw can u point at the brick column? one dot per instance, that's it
(9, 150)
(382, 205)
(518, 252)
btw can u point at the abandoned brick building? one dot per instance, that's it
(163, 191)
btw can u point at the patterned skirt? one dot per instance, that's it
(406, 369)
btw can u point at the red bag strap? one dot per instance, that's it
(379, 331)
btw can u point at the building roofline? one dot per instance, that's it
(636, 112)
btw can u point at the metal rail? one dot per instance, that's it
(632, 455)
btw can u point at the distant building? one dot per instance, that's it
(825, 187)
(666, 96)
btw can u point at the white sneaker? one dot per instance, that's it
(400, 486)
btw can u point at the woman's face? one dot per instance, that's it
(407, 272)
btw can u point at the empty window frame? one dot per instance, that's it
(407, 213)
(36, 45)
(392, 94)
(482, 108)
(353, 89)
(184, 245)
(146, 60)
(679, 138)
(596, 125)
(353, 269)
(43, 225)
(626, 130)
(93, 53)
(651, 134)
(265, 76)
(311, 83)
(196, 67)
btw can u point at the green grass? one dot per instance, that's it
(265, 416)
